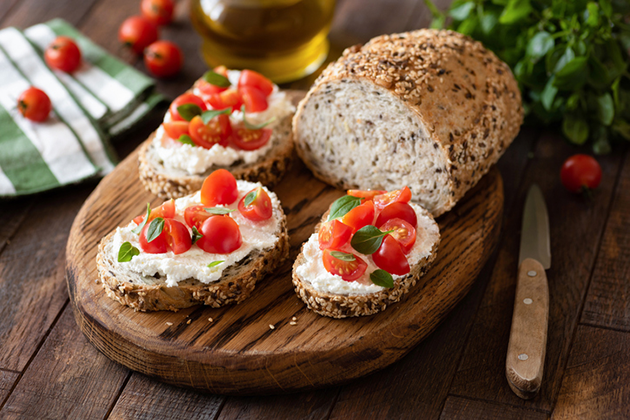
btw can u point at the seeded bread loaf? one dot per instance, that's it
(433, 110)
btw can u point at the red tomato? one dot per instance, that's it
(174, 236)
(165, 211)
(163, 58)
(63, 54)
(390, 257)
(334, 234)
(219, 188)
(367, 194)
(175, 129)
(397, 210)
(157, 246)
(403, 196)
(34, 104)
(227, 99)
(138, 32)
(259, 209)
(195, 216)
(221, 235)
(360, 216)
(255, 80)
(404, 233)
(250, 139)
(580, 173)
(210, 89)
(159, 12)
(186, 98)
(254, 100)
(217, 131)
(348, 270)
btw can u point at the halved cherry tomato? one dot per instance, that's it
(360, 216)
(255, 80)
(403, 196)
(227, 99)
(221, 235)
(390, 257)
(397, 210)
(246, 139)
(186, 98)
(210, 89)
(34, 104)
(63, 54)
(159, 12)
(138, 32)
(404, 233)
(174, 236)
(165, 211)
(163, 58)
(367, 194)
(348, 270)
(219, 188)
(334, 234)
(175, 129)
(217, 131)
(157, 246)
(259, 209)
(195, 216)
(254, 100)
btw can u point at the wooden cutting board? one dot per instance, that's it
(238, 352)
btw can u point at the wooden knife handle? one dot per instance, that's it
(528, 337)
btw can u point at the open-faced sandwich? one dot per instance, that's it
(210, 247)
(368, 250)
(235, 120)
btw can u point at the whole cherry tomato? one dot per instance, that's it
(403, 232)
(580, 173)
(163, 58)
(63, 54)
(256, 80)
(402, 195)
(390, 257)
(221, 235)
(348, 270)
(186, 98)
(259, 207)
(159, 12)
(34, 104)
(360, 216)
(397, 210)
(138, 32)
(246, 139)
(333, 234)
(219, 188)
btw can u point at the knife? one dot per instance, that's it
(528, 336)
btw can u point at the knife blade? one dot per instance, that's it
(528, 336)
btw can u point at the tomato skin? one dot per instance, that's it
(157, 245)
(229, 98)
(256, 80)
(348, 270)
(360, 216)
(210, 89)
(221, 235)
(165, 211)
(258, 210)
(246, 139)
(138, 32)
(175, 129)
(195, 216)
(403, 195)
(219, 188)
(177, 236)
(390, 257)
(163, 58)
(186, 98)
(217, 131)
(580, 172)
(63, 54)
(397, 210)
(159, 12)
(404, 233)
(254, 100)
(34, 104)
(367, 194)
(334, 234)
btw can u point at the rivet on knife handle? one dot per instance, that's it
(528, 337)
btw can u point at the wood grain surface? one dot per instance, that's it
(238, 352)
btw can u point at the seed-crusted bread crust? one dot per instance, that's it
(465, 100)
(167, 183)
(151, 294)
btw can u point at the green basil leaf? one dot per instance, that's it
(468, 26)
(206, 116)
(342, 256)
(251, 126)
(573, 74)
(216, 79)
(605, 109)
(250, 197)
(601, 145)
(548, 94)
(368, 239)
(539, 45)
(127, 252)
(343, 205)
(615, 91)
(488, 21)
(606, 7)
(215, 263)
(573, 101)
(593, 14)
(218, 210)
(189, 111)
(622, 128)
(382, 278)
(564, 59)
(139, 228)
(185, 139)
(155, 229)
(575, 128)
(461, 12)
(195, 235)
(515, 11)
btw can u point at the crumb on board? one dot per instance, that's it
(169, 323)
(189, 321)
(294, 319)
(292, 323)
(272, 327)
(210, 320)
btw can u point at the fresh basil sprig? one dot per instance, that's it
(250, 197)
(368, 239)
(155, 229)
(343, 205)
(251, 126)
(382, 278)
(127, 252)
(218, 210)
(343, 256)
(139, 228)
(189, 111)
(206, 116)
(196, 235)
(216, 79)
(185, 139)
(215, 263)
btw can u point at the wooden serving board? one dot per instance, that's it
(238, 352)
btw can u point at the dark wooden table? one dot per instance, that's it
(49, 370)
